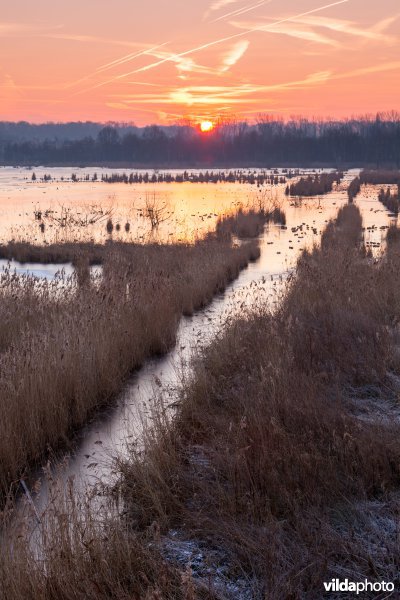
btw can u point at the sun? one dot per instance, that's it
(206, 126)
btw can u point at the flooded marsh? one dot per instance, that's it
(152, 308)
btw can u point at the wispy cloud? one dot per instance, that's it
(183, 63)
(202, 97)
(212, 95)
(291, 30)
(233, 55)
(375, 33)
(379, 68)
(217, 6)
(10, 29)
(310, 27)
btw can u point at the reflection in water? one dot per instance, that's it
(192, 208)
(63, 271)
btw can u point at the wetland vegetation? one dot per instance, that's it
(314, 185)
(257, 480)
(67, 345)
(261, 482)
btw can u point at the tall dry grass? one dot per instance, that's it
(266, 464)
(265, 457)
(24, 252)
(66, 346)
(248, 223)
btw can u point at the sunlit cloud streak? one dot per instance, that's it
(217, 6)
(375, 33)
(9, 29)
(387, 66)
(184, 63)
(291, 30)
(211, 95)
(216, 95)
(231, 57)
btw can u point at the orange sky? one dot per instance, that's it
(158, 61)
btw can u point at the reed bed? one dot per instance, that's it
(268, 479)
(314, 185)
(248, 223)
(380, 176)
(57, 253)
(67, 345)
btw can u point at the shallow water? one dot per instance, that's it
(111, 432)
(191, 209)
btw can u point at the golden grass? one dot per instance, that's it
(266, 462)
(66, 346)
(264, 457)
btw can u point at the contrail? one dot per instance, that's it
(210, 44)
(129, 57)
(111, 65)
(241, 11)
(232, 37)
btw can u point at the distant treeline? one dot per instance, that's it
(363, 141)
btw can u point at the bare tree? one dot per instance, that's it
(156, 210)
